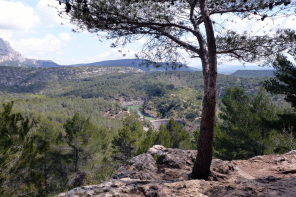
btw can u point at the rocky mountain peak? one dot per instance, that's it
(164, 172)
(8, 54)
(10, 57)
(4, 47)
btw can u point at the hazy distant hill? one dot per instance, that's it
(137, 63)
(253, 73)
(164, 94)
(11, 76)
(10, 57)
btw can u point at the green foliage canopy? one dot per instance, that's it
(244, 130)
(127, 142)
(16, 149)
(284, 81)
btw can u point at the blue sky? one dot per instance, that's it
(34, 29)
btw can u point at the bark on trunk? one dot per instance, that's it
(76, 160)
(45, 175)
(201, 169)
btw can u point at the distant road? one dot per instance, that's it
(155, 123)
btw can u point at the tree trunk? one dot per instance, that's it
(201, 169)
(45, 175)
(76, 160)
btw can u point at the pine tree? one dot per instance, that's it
(15, 149)
(167, 24)
(46, 160)
(148, 141)
(284, 83)
(127, 142)
(78, 134)
(170, 135)
(163, 137)
(180, 138)
(243, 132)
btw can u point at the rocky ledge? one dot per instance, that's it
(164, 172)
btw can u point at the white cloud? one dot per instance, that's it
(49, 43)
(109, 54)
(113, 54)
(15, 16)
(288, 22)
(255, 26)
(65, 36)
(105, 55)
(48, 12)
(5, 34)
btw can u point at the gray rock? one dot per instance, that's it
(141, 167)
(292, 152)
(164, 172)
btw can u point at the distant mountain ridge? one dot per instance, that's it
(15, 76)
(253, 73)
(10, 57)
(138, 63)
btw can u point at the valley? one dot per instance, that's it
(202, 103)
(118, 112)
(170, 94)
(79, 123)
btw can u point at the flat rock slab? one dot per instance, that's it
(164, 172)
